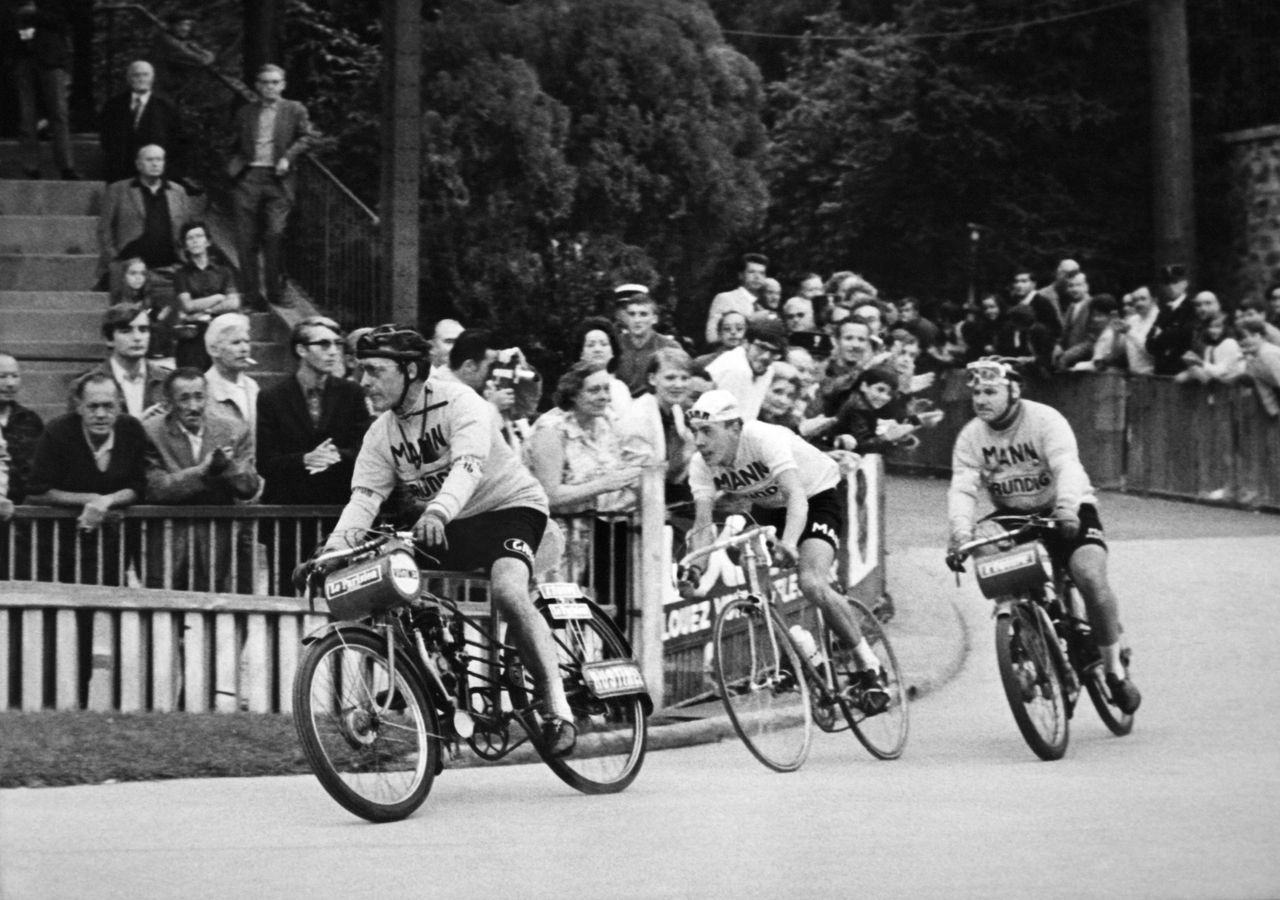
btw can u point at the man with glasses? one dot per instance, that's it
(797, 315)
(747, 371)
(1023, 455)
(309, 432)
(271, 133)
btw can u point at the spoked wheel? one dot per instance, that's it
(1032, 683)
(612, 731)
(759, 678)
(880, 727)
(370, 735)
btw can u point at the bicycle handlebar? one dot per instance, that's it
(1024, 524)
(767, 531)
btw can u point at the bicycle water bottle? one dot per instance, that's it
(807, 646)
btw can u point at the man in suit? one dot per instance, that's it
(135, 118)
(37, 58)
(271, 134)
(310, 428)
(1170, 338)
(197, 456)
(143, 217)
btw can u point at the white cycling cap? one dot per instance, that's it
(715, 406)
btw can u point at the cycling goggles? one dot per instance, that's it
(989, 371)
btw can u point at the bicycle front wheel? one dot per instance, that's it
(759, 676)
(1095, 683)
(1032, 683)
(881, 728)
(612, 731)
(369, 733)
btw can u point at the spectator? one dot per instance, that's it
(622, 294)
(1076, 323)
(1026, 342)
(1215, 356)
(1261, 365)
(811, 287)
(442, 339)
(732, 333)
(903, 349)
(227, 343)
(196, 456)
(502, 377)
(36, 57)
(203, 289)
(797, 315)
(271, 133)
(6, 505)
(853, 354)
(137, 118)
(1100, 346)
(742, 299)
(747, 371)
(92, 460)
(1170, 337)
(770, 297)
(1254, 310)
(869, 311)
(1024, 293)
(1273, 304)
(980, 333)
(1056, 292)
(136, 289)
(21, 429)
(575, 451)
(866, 421)
(143, 217)
(309, 431)
(127, 329)
(653, 428)
(597, 344)
(640, 341)
(175, 53)
(911, 319)
(780, 401)
(1135, 327)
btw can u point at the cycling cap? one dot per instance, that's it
(715, 406)
(990, 370)
(393, 342)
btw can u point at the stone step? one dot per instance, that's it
(47, 272)
(48, 234)
(51, 324)
(86, 156)
(54, 300)
(50, 198)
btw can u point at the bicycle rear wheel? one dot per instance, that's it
(1032, 683)
(883, 733)
(758, 673)
(370, 734)
(612, 731)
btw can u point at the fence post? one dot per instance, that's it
(648, 578)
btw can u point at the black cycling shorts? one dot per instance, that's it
(825, 522)
(1061, 549)
(477, 541)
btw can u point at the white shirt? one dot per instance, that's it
(1135, 341)
(739, 300)
(732, 372)
(239, 399)
(764, 453)
(133, 387)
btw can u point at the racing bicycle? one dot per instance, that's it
(772, 690)
(402, 676)
(1044, 644)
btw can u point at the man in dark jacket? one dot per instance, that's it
(1170, 338)
(310, 428)
(135, 118)
(36, 58)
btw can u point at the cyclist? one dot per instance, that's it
(1024, 454)
(794, 486)
(437, 447)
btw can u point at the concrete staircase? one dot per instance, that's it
(49, 314)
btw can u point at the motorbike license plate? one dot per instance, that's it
(564, 612)
(613, 677)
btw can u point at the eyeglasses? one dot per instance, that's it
(326, 344)
(789, 316)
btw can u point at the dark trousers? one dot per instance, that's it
(38, 86)
(262, 211)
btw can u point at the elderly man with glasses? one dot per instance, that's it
(309, 431)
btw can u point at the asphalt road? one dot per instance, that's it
(1187, 806)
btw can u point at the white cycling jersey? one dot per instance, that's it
(1031, 464)
(448, 451)
(765, 452)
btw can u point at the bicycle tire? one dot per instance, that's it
(1032, 682)
(1119, 723)
(379, 767)
(612, 731)
(759, 677)
(884, 734)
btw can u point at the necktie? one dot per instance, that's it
(137, 110)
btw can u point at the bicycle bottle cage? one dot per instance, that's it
(372, 585)
(1016, 571)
